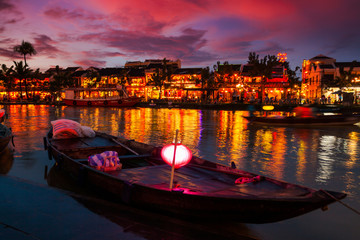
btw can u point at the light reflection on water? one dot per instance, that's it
(325, 157)
(296, 154)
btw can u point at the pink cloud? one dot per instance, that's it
(45, 45)
(195, 31)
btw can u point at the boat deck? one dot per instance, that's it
(192, 179)
(195, 180)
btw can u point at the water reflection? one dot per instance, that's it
(6, 160)
(316, 157)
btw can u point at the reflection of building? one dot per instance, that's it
(322, 76)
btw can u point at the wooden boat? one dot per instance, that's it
(101, 97)
(320, 120)
(5, 137)
(203, 189)
(5, 133)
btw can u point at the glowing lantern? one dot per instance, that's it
(176, 155)
(182, 155)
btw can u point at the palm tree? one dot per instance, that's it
(59, 80)
(25, 48)
(262, 67)
(94, 78)
(21, 72)
(159, 77)
(345, 78)
(157, 80)
(205, 76)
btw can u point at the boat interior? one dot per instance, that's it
(142, 168)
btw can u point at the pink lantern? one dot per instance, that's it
(182, 156)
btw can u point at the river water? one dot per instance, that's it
(321, 158)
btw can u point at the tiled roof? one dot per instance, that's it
(111, 71)
(135, 72)
(347, 64)
(326, 66)
(78, 73)
(182, 71)
(320, 57)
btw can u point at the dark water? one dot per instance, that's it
(321, 158)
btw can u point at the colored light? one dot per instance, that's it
(268, 107)
(182, 157)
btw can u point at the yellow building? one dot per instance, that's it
(323, 77)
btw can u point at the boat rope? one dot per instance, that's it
(19, 230)
(338, 200)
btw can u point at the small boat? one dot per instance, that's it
(320, 120)
(100, 97)
(5, 133)
(202, 189)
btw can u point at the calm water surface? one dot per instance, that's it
(326, 158)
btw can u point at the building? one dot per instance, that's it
(324, 77)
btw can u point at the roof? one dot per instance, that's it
(229, 67)
(136, 72)
(73, 69)
(183, 71)
(320, 57)
(78, 73)
(154, 65)
(326, 66)
(111, 71)
(347, 64)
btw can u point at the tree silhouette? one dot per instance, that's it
(262, 67)
(59, 80)
(21, 72)
(6, 78)
(25, 48)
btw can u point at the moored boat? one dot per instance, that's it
(320, 120)
(105, 96)
(5, 133)
(203, 189)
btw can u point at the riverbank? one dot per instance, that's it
(216, 106)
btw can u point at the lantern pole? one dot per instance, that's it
(173, 162)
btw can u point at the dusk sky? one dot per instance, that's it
(108, 33)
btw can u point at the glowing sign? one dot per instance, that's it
(282, 57)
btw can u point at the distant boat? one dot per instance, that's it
(203, 189)
(101, 97)
(321, 120)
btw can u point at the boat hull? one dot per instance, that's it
(332, 120)
(124, 102)
(5, 137)
(139, 187)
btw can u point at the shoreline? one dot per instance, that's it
(217, 106)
